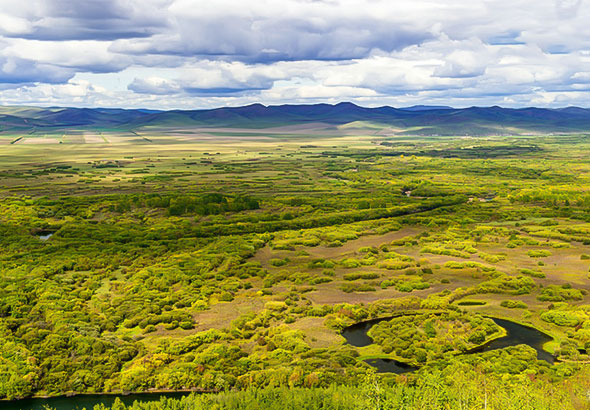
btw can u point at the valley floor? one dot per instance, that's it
(178, 262)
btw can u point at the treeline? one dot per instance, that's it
(328, 219)
(181, 204)
(553, 196)
(126, 231)
(470, 390)
(174, 204)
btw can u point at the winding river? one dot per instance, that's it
(87, 401)
(355, 335)
(516, 334)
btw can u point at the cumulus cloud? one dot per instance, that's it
(154, 85)
(212, 77)
(186, 53)
(568, 8)
(92, 56)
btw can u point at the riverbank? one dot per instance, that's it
(368, 354)
(89, 400)
(68, 395)
(511, 333)
(548, 346)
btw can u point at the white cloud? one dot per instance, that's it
(89, 55)
(154, 85)
(187, 53)
(13, 25)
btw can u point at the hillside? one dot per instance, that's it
(418, 120)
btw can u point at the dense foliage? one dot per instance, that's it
(424, 337)
(436, 392)
(215, 267)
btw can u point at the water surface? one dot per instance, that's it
(516, 334)
(355, 335)
(87, 401)
(45, 237)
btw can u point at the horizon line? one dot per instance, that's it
(428, 107)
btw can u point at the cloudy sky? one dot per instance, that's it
(208, 53)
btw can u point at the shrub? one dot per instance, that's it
(404, 285)
(320, 279)
(539, 253)
(513, 304)
(321, 263)
(561, 318)
(463, 265)
(350, 263)
(357, 287)
(491, 258)
(186, 325)
(444, 251)
(391, 264)
(279, 262)
(554, 293)
(226, 297)
(360, 275)
(471, 303)
(519, 285)
(533, 273)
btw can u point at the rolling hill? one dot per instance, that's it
(421, 120)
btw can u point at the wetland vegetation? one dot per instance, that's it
(185, 260)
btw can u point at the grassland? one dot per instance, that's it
(216, 259)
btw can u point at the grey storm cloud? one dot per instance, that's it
(280, 39)
(18, 71)
(87, 19)
(242, 35)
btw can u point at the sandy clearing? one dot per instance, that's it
(220, 315)
(266, 253)
(351, 247)
(317, 335)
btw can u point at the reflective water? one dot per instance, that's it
(45, 237)
(516, 334)
(356, 335)
(82, 401)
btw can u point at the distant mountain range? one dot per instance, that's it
(423, 120)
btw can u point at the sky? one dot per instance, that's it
(192, 54)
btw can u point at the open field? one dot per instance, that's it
(232, 258)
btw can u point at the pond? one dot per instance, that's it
(87, 401)
(516, 334)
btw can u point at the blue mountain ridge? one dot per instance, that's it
(422, 119)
